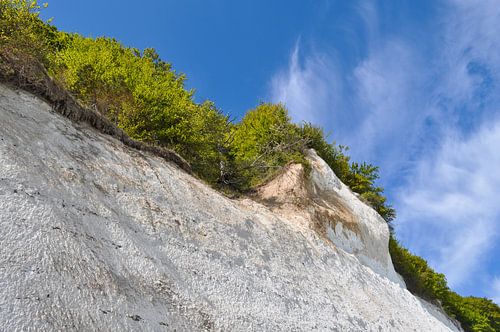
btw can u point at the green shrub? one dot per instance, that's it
(264, 141)
(145, 97)
(359, 177)
(335, 156)
(25, 40)
(474, 314)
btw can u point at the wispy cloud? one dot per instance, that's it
(427, 114)
(388, 86)
(449, 210)
(307, 88)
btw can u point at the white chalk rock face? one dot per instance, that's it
(325, 204)
(369, 239)
(96, 236)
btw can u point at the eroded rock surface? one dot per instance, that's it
(320, 201)
(97, 236)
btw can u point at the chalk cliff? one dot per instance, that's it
(96, 235)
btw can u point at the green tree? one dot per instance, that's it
(144, 96)
(25, 40)
(264, 141)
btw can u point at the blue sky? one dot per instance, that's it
(411, 86)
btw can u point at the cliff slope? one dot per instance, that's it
(98, 236)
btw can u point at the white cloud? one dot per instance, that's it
(449, 211)
(307, 88)
(453, 198)
(388, 87)
(427, 116)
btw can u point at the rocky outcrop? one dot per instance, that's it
(96, 235)
(325, 204)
